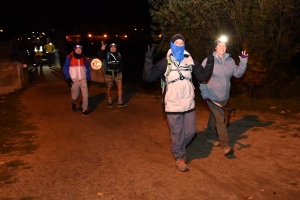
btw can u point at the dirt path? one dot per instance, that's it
(125, 153)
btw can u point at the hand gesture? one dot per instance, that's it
(149, 53)
(103, 45)
(244, 55)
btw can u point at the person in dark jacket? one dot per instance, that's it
(113, 67)
(176, 71)
(77, 73)
(217, 89)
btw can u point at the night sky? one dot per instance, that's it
(64, 14)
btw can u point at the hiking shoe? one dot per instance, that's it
(228, 151)
(121, 105)
(181, 165)
(74, 107)
(110, 104)
(85, 113)
(213, 142)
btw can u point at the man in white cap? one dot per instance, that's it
(113, 67)
(176, 71)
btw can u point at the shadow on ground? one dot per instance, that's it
(198, 148)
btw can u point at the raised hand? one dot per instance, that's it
(244, 55)
(103, 45)
(149, 53)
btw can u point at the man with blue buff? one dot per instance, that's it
(175, 71)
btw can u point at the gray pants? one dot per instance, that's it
(75, 89)
(216, 127)
(183, 128)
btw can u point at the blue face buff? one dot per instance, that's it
(177, 51)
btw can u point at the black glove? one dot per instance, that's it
(210, 58)
(70, 82)
(149, 53)
(88, 82)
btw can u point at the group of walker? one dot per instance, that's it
(178, 97)
(77, 73)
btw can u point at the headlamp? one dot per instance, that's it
(223, 39)
(77, 46)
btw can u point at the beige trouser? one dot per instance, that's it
(75, 91)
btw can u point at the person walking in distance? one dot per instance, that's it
(77, 73)
(176, 71)
(50, 49)
(113, 67)
(217, 89)
(38, 54)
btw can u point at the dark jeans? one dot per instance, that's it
(39, 61)
(50, 57)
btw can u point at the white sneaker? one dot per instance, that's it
(215, 143)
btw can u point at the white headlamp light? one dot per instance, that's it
(223, 39)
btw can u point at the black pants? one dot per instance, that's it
(50, 59)
(39, 61)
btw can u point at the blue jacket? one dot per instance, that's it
(218, 87)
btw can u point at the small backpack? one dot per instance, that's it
(105, 68)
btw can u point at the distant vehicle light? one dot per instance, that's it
(1, 31)
(105, 35)
(125, 36)
(90, 35)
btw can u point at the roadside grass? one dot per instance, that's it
(12, 136)
(15, 137)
